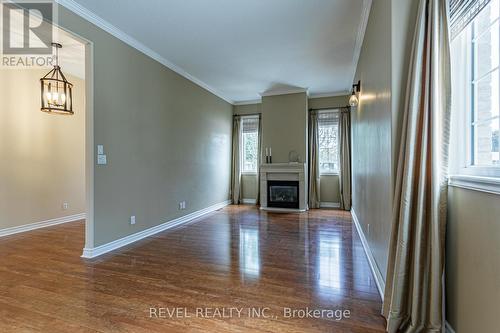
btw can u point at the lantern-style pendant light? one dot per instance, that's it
(56, 91)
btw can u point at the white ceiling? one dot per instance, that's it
(239, 49)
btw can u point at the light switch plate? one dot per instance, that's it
(101, 160)
(100, 149)
(132, 219)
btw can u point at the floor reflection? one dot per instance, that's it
(329, 260)
(249, 251)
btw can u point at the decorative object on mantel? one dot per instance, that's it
(293, 157)
(56, 90)
(269, 157)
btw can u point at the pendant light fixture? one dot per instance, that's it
(56, 90)
(356, 88)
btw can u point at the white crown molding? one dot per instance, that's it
(250, 102)
(331, 94)
(284, 92)
(379, 280)
(89, 253)
(41, 224)
(124, 37)
(365, 14)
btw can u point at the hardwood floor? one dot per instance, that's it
(237, 258)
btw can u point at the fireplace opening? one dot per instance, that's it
(283, 194)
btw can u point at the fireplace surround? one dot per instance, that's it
(283, 187)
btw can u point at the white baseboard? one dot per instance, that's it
(41, 224)
(329, 204)
(249, 201)
(448, 328)
(105, 248)
(379, 280)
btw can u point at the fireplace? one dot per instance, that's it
(283, 194)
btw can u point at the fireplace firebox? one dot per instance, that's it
(283, 194)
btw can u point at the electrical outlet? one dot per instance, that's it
(132, 219)
(182, 205)
(65, 205)
(101, 160)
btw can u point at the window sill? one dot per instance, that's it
(329, 174)
(476, 183)
(249, 173)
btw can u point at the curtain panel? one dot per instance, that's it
(345, 158)
(235, 161)
(413, 299)
(314, 179)
(259, 158)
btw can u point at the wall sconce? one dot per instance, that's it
(56, 90)
(356, 88)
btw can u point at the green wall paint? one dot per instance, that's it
(167, 139)
(284, 125)
(472, 260)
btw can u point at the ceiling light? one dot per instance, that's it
(56, 91)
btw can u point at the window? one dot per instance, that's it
(476, 93)
(328, 130)
(250, 143)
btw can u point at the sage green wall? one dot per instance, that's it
(329, 188)
(371, 135)
(284, 125)
(249, 186)
(329, 184)
(328, 102)
(382, 69)
(167, 139)
(247, 109)
(43, 155)
(472, 261)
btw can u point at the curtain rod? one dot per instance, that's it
(247, 114)
(329, 108)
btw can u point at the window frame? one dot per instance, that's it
(242, 150)
(463, 172)
(334, 172)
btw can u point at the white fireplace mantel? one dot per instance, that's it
(284, 171)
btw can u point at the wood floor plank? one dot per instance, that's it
(238, 257)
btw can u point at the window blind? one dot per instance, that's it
(462, 12)
(328, 118)
(249, 124)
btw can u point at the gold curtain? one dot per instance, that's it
(413, 300)
(314, 189)
(235, 162)
(345, 158)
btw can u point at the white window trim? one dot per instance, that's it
(335, 172)
(329, 173)
(247, 173)
(463, 173)
(476, 183)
